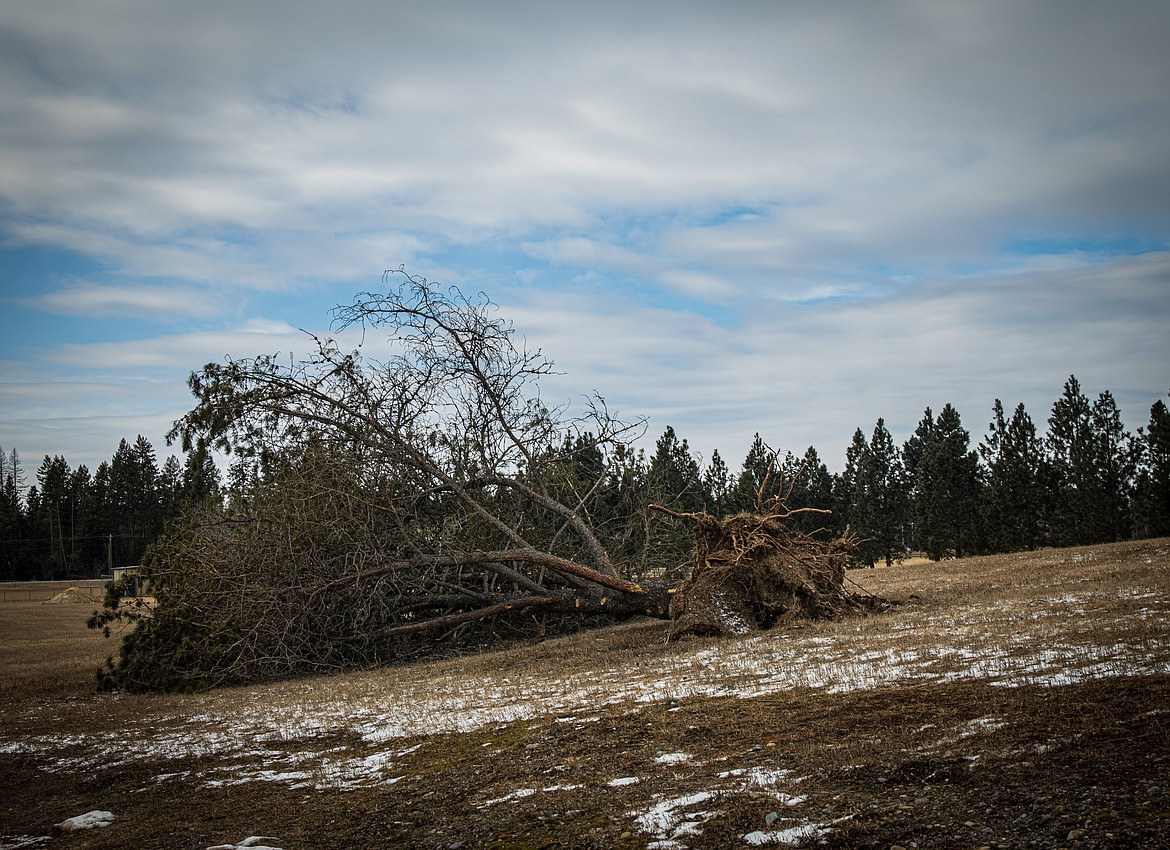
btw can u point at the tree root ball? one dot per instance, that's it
(751, 573)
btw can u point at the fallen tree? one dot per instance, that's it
(381, 508)
(424, 503)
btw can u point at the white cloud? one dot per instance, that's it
(478, 127)
(267, 327)
(165, 303)
(811, 374)
(165, 356)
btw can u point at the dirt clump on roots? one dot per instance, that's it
(752, 571)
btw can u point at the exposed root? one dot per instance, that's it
(752, 572)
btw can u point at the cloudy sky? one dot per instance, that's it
(730, 217)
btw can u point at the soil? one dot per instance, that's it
(961, 763)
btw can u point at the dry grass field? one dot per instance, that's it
(1016, 701)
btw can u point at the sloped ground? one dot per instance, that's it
(1016, 701)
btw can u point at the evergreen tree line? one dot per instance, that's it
(74, 524)
(1086, 480)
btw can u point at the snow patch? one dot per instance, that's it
(792, 836)
(521, 793)
(252, 842)
(89, 820)
(668, 820)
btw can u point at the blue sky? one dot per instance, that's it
(728, 217)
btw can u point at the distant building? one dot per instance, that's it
(136, 584)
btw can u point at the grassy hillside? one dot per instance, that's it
(1016, 701)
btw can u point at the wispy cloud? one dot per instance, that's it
(164, 303)
(810, 374)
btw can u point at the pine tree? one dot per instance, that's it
(201, 477)
(13, 531)
(675, 478)
(849, 483)
(169, 488)
(622, 518)
(947, 489)
(912, 449)
(1069, 447)
(888, 495)
(813, 488)
(719, 484)
(760, 480)
(133, 500)
(1013, 496)
(1153, 488)
(1114, 458)
(88, 559)
(104, 514)
(52, 520)
(911, 456)
(877, 502)
(1094, 461)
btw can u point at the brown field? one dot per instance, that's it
(1016, 701)
(42, 591)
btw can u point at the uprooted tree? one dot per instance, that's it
(416, 504)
